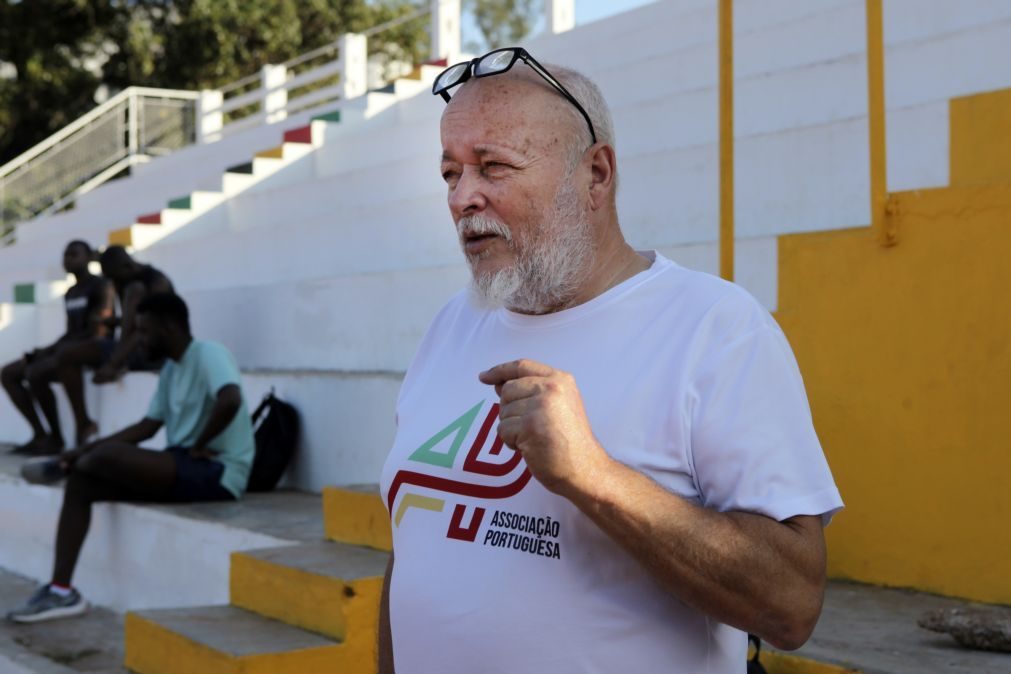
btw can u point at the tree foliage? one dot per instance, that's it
(61, 51)
(504, 23)
(47, 47)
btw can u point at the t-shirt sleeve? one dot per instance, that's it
(158, 409)
(220, 368)
(753, 443)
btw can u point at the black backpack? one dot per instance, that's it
(276, 427)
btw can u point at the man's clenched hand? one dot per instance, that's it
(541, 416)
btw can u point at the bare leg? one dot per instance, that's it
(110, 472)
(40, 374)
(71, 360)
(13, 378)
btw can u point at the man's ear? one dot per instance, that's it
(603, 173)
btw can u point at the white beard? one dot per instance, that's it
(550, 267)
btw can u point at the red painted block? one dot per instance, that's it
(438, 62)
(302, 134)
(150, 219)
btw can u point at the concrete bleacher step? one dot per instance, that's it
(226, 640)
(324, 587)
(310, 607)
(356, 515)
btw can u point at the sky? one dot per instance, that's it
(586, 11)
(591, 10)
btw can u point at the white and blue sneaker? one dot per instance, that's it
(43, 471)
(45, 604)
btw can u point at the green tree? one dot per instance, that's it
(504, 23)
(52, 51)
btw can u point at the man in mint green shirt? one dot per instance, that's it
(199, 401)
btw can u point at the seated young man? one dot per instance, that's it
(89, 304)
(199, 401)
(133, 282)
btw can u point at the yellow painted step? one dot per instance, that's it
(329, 588)
(121, 237)
(981, 139)
(228, 640)
(272, 153)
(356, 515)
(784, 663)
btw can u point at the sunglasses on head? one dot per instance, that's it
(495, 63)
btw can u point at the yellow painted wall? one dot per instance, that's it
(906, 353)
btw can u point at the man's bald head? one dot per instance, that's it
(536, 105)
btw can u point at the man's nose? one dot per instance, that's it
(467, 196)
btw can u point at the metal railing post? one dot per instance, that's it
(209, 116)
(275, 96)
(884, 226)
(560, 15)
(353, 57)
(133, 125)
(445, 30)
(726, 41)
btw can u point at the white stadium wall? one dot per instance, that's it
(322, 270)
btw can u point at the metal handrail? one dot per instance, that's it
(87, 118)
(133, 125)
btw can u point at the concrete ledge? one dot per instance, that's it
(872, 630)
(149, 556)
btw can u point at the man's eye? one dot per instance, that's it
(448, 175)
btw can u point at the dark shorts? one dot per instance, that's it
(197, 479)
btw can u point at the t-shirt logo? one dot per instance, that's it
(429, 455)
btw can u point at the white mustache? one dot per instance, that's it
(479, 225)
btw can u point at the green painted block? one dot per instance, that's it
(181, 202)
(334, 116)
(24, 293)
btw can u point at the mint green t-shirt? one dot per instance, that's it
(185, 397)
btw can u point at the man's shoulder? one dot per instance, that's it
(711, 301)
(209, 349)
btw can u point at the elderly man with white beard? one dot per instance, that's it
(604, 462)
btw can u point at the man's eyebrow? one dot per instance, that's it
(482, 150)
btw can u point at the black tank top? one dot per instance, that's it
(81, 301)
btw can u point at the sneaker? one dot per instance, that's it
(28, 448)
(43, 471)
(47, 605)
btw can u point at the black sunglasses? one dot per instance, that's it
(495, 63)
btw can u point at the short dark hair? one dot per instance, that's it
(83, 244)
(114, 255)
(167, 307)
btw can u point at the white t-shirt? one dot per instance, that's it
(685, 378)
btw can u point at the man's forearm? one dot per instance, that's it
(745, 570)
(226, 406)
(135, 434)
(385, 632)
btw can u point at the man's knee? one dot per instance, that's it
(81, 488)
(97, 461)
(12, 374)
